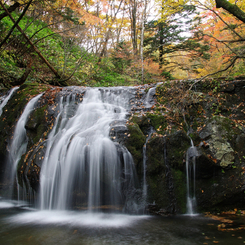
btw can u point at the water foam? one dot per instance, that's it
(75, 218)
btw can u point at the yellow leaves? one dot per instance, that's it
(89, 18)
(170, 7)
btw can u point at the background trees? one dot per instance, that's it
(118, 42)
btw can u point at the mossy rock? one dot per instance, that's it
(37, 125)
(157, 179)
(177, 145)
(166, 185)
(135, 142)
(13, 111)
(157, 190)
(155, 156)
(179, 179)
(159, 122)
(144, 123)
(221, 134)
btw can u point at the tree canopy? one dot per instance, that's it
(119, 42)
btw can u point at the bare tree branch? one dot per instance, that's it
(211, 74)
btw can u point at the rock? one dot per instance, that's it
(216, 135)
(134, 141)
(177, 145)
(228, 87)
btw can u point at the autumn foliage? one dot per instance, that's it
(116, 42)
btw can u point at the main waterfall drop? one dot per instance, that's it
(83, 167)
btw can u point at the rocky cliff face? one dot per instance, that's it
(211, 115)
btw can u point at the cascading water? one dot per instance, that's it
(149, 99)
(19, 142)
(190, 179)
(6, 99)
(82, 165)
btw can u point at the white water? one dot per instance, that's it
(82, 164)
(76, 219)
(6, 99)
(19, 141)
(149, 100)
(190, 179)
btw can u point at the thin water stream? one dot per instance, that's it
(191, 179)
(6, 98)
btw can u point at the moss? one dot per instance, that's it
(227, 127)
(143, 122)
(157, 190)
(12, 113)
(135, 142)
(36, 125)
(155, 154)
(180, 189)
(159, 122)
(195, 138)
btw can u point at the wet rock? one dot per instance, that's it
(177, 145)
(134, 142)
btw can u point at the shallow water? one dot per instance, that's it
(20, 225)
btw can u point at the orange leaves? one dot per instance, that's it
(218, 30)
(212, 158)
(89, 18)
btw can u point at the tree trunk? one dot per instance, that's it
(15, 22)
(30, 42)
(23, 78)
(10, 9)
(133, 18)
(104, 49)
(231, 8)
(160, 45)
(142, 40)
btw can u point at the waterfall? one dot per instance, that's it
(6, 99)
(83, 168)
(19, 141)
(190, 179)
(149, 99)
(191, 155)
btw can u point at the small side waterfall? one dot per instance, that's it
(190, 179)
(149, 99)
(83, 168)
(6, 99)
(19, 141)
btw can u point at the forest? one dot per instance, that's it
(120, 42)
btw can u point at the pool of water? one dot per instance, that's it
(20, 225)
